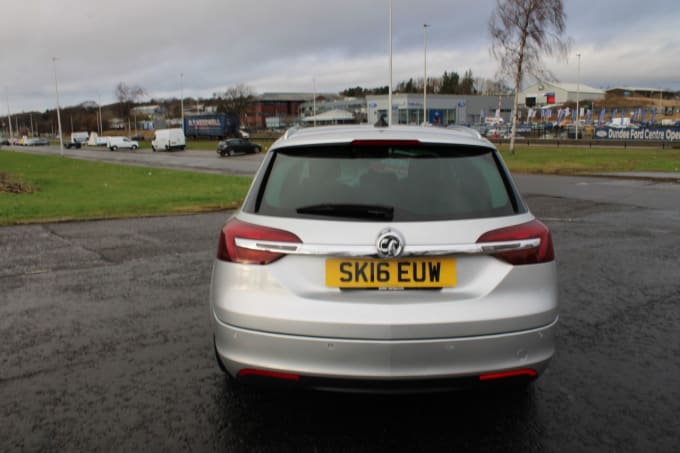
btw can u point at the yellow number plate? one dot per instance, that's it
(391, 273)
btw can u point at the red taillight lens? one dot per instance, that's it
(227, 250)
(534, 229)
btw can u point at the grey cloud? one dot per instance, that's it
(275, 45)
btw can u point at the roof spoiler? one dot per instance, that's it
(290, 132)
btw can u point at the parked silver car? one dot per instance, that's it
(384, 259)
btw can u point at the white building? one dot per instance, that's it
(546, 93)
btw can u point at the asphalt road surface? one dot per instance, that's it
(106, 344)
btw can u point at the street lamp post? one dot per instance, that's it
(100, 123)
(314, 100)
(389, 88)
(9, 114)
(578, 93)
(181, 97)
(425, 73)
(56, 88)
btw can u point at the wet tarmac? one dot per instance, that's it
(106, 346)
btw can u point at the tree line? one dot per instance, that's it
(448, 83)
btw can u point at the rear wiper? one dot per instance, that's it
(354, 211)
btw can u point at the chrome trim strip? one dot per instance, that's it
(370, 250)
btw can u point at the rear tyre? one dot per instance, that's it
(114, 148)
(167, 147)
(134, 147)
(153, 148)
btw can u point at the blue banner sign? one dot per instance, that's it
(637, 134)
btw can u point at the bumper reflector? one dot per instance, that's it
(508, 374)
(269, 374)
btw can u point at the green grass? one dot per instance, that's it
(68, 189)
(574, 161)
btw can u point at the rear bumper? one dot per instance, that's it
(323, 360)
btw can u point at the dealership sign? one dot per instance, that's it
(640, 135)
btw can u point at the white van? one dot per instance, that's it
(167, 139)
(79, 137)
(114, 143)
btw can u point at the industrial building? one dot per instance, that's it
(545, 93)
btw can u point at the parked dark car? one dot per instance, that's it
(76, 145)
(237, 145)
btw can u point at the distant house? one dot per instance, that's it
(118, 123)
(149, 110)
(546, 93)
(355, 106)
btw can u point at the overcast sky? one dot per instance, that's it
(275, 45)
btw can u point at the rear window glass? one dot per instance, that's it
(390, 183)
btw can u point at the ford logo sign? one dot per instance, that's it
(601, 134)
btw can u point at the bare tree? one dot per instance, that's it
(236, 100)
(522, 31)
(127, 95)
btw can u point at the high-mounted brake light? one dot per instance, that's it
(227, 250)
(543, 253)
(386, 143)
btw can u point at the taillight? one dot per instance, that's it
(543, 253)
(227, 250)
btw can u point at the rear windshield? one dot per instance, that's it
(387, 183)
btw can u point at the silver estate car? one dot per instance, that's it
(384, 259)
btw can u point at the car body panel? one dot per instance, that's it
(331, 357)
(491, 297)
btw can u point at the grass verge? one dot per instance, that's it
(581, 160)
(70, 189)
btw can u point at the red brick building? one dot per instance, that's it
(275, 105)
(284, 106)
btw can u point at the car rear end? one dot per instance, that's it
(374, 259)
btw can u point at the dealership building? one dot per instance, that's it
(544, 94)
(442, 109)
